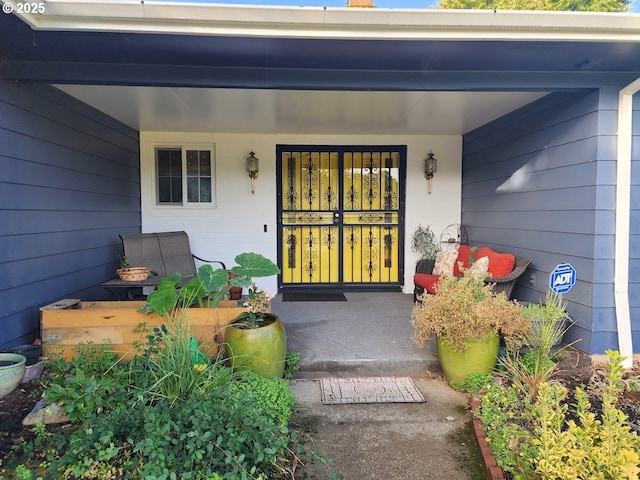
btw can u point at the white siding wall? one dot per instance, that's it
(237, 222)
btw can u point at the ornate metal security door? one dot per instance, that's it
(340, 213)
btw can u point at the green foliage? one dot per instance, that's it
(558, 5)
(291, 364)
(548, 440)
(473, 382)
(589, 448)
(553, 309)
(529, 371)
(270, 394)
(465, 309)
(159, 416)
(23, 473)
(214, 284)
(509, 440)
(176, 370)
(91, 381)
(423, 241)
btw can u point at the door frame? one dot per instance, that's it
(341, 149)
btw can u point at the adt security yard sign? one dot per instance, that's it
(562, 278)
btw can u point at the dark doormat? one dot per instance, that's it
(313, 297)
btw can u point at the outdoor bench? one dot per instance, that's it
(504, 269)
(164, 253)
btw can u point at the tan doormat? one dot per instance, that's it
(369, 390)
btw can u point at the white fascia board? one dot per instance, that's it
(345, 23)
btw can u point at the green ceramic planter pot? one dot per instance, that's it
(479, 356)
(262, 349)
(12, 366)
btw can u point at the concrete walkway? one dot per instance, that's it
(370, 335)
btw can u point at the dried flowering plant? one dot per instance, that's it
(465, 308)
(259, 303)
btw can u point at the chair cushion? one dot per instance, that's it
(464, 252)
(500, 264)
(444, 264)
(427, 281)
(480, 267)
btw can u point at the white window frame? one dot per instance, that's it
(211, 147)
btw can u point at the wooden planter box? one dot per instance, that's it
(69, 322)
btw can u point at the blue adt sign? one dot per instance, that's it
(562, 278)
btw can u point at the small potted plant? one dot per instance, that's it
(467, 319)
(423, 241)
(548, 319)
(256, 339)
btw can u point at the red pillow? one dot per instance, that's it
(464, 251)
(427, 281)
(500, 264)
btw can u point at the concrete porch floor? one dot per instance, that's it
(368, 335)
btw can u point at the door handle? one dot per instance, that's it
(336, 218)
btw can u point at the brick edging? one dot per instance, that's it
(494, 472)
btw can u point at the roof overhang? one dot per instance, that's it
(181, 46)
(323, 23)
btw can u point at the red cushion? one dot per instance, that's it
(427, 281)
(464, 251)
(500, 264)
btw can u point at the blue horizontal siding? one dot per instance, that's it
(69, 184)
(541, 182)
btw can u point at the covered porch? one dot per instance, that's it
(520, 109)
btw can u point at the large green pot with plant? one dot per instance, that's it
(256, 340)
(467, 318)
(172, 301)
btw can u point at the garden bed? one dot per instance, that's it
(574, 371)
(70, 322)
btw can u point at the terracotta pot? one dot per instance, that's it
(479, 356)
(262, 349)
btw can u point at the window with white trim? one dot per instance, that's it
(185, 175)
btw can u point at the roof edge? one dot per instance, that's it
(314, 22)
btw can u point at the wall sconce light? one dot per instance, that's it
(430, 167)
(253, 168)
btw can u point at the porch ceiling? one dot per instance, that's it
(299, 112)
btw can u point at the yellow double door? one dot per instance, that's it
(340, 212)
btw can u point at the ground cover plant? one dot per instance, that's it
(153, 418)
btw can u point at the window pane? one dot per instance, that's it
(164, 163)
(192, 163)
(164, 190)
(176, 190)
(192, 189)
(205, 189)
(205, 163)
(199, 176)
(169, 175)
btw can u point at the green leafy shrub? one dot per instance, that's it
(591, 447)
(548, 440)
(473, 382)
(269, 394)
(210, 435)
(91, 381)
(500, 409)
(291, 364)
